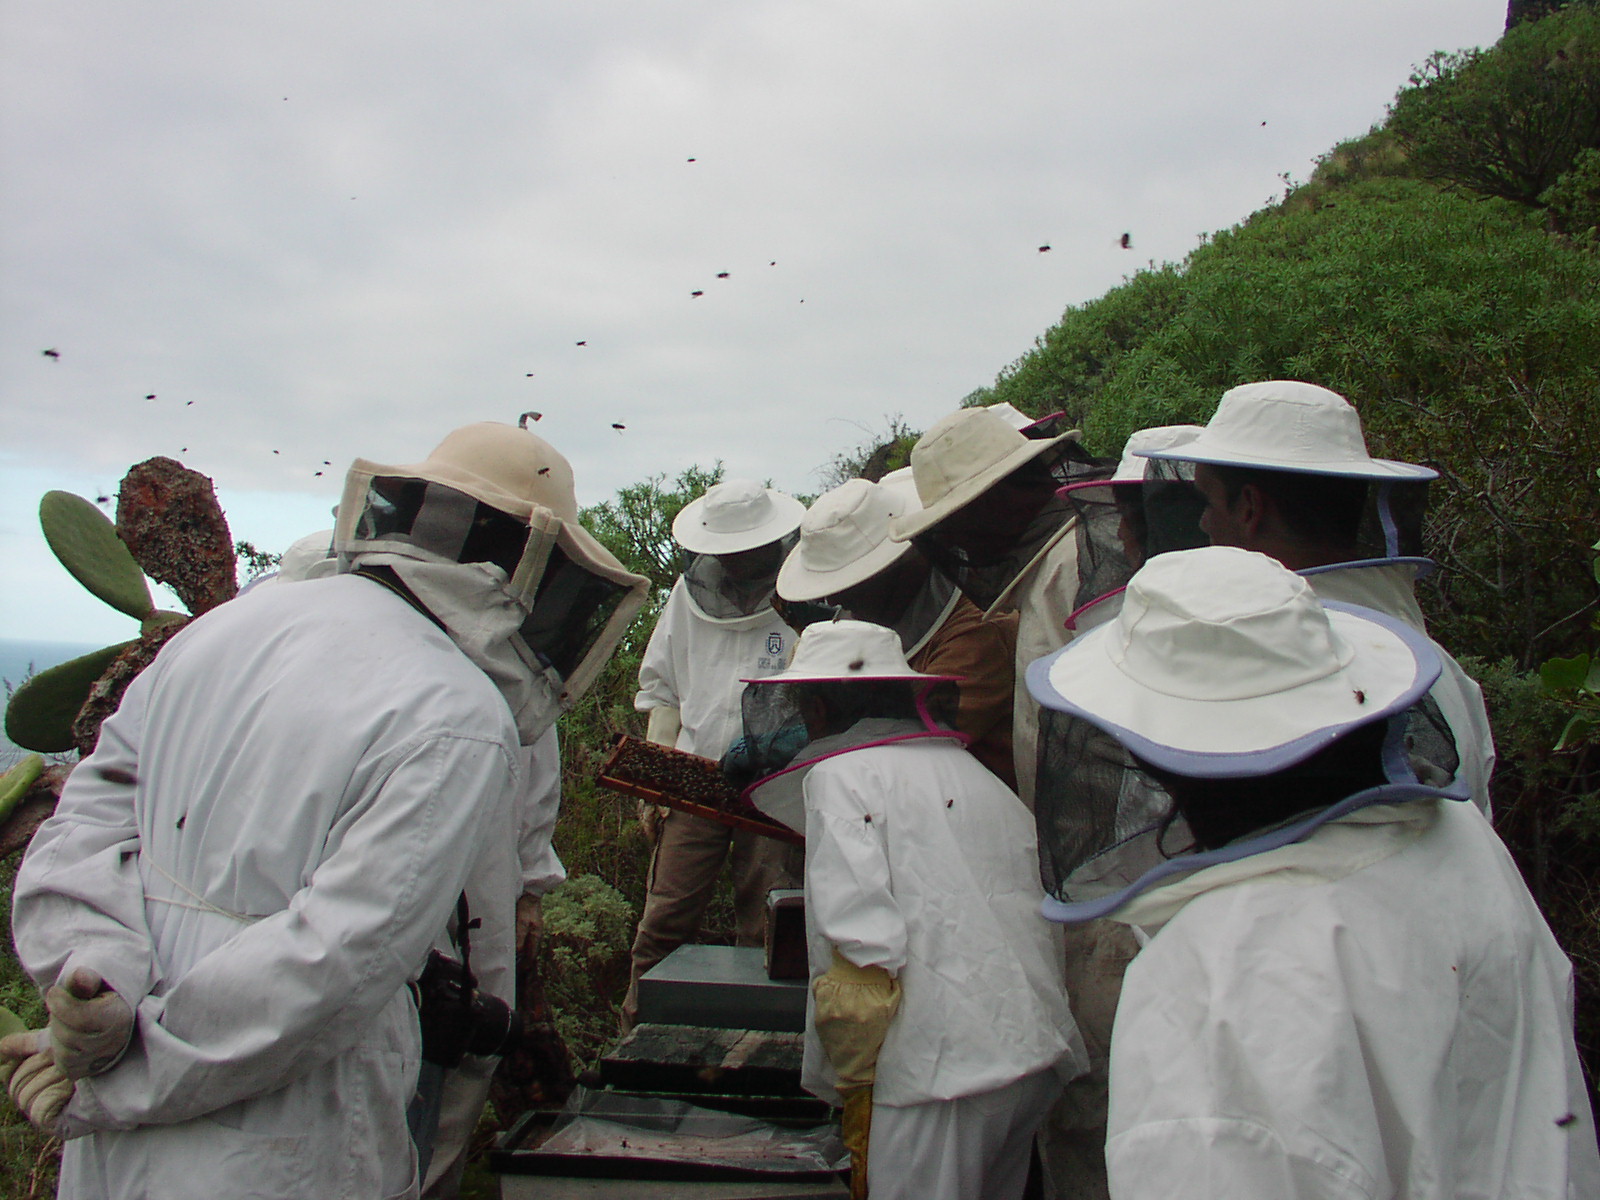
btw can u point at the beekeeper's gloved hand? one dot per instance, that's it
(90, 1025)
(853, 1008)
(38, 1087)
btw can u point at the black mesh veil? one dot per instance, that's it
(1090, 801)
(1103, 821)
(730, 587)
(1103, 565)
(984, 565)
(775, 733)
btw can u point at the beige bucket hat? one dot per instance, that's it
(844, 539)
(1223, 662)
(736, 515)
(960, 458)
(1287, 425)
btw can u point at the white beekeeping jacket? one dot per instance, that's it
(1378, 1012)
(1044, 596)
(537, 806)
(275, 826)
(1390, 589)
(920, 861)
(694, 664)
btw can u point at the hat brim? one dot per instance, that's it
(1392, 667)
(796, 581)
(787, 513)
(1220, 456)
(903, 529)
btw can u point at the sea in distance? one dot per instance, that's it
(18, 660)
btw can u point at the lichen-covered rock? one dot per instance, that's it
(170, 519)
(106, 694)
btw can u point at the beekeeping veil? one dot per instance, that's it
(991, 502)
(734, 540)
(1139, 512)
(1221, 665)
(484, 533)
(1302, 429)
(847, 561)
(849, 687)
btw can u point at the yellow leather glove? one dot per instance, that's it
(39, 1088)
(90, 1025)
(855, 1129)
(852, 1010)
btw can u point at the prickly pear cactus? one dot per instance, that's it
(169, 518)
(170, 526)
(87, 544)
(42, 710)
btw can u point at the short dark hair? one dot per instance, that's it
(1321, 510)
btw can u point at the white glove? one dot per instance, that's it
(663, 725)
(90, 1025)
(38, 1087)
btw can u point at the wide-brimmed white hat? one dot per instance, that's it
(1286, 425)
(960, 458)
(844, 539)
(848, 651)
(1223, 663)
(1145, 442)
(735, 515)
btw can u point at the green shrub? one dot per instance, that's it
(1510, 120)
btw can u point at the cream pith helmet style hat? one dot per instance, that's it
(844, 539)
(507, 468)
(1286, 425)
(1223, 663)
(735, 515)
(960, 458)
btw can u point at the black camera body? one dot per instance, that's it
(457, 1019)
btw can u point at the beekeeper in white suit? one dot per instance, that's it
(938, 1017)
(718, 626)
(1347, 991)
(1284, 469)
(285, 811)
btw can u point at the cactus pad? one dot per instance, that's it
(14, 784)
(87, 544)
(169, 517)
(42, 710)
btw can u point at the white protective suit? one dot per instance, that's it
(920, 861)
(1044, 595)
(694, 664)
(275, 826)
(1379, 1011)
(466, 1088)
(1391, 590)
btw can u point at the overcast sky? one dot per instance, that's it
(312, 231)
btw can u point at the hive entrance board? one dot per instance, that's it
(687, 782)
